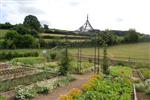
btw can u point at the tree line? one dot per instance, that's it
(26, 35)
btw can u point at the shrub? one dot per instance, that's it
(11, 54)
(53, 55)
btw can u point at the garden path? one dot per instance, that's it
(80, 79)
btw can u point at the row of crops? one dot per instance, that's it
(25, 80)
(100, 87)
(15, 73)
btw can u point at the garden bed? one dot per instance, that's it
(26, 80)
(99, 88)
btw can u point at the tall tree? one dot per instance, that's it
(131, 36)
(32, 22)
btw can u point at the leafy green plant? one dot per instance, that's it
(121, 71)
(110, 88)
(143, 87)
(145, 72)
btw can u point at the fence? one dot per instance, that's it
(116, 60)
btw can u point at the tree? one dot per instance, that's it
(32, 22)
(10, 39)
(131, 36)
(46, 27)
(6, 25)
(14, 40)
(21, 29)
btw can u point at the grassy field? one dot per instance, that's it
(137, 50)
(49, 34)
(63, 40)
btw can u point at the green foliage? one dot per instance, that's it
(145, 72)
(121, 71)
(105, 61)
(3, 98)
(64, 62)
(143, 87)
(6, 25)
(131, 36)
(42, 90)
(24, 93)
(26, 80)
(29, 60)
(85, 66)
(109, 88)
(53, 55)
(32, 22)
(10, 54)
(13, 40)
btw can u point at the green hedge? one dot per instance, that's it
(11, 54)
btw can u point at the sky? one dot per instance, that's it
(71, 14)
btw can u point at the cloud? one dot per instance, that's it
(119, 19)
(71, 14)
(73, 3)
(29, 10)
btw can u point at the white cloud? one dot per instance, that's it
(71, 14)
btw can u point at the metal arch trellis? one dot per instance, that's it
(87, 27)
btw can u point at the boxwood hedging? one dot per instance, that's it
(11, 54)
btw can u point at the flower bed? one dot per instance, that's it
(28, 92)
(98, 88)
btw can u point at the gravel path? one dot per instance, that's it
(80, 79)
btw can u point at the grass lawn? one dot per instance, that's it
(137, 50)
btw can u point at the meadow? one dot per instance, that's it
(139, 51)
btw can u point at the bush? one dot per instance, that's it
(53, 55)
(10, 55)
